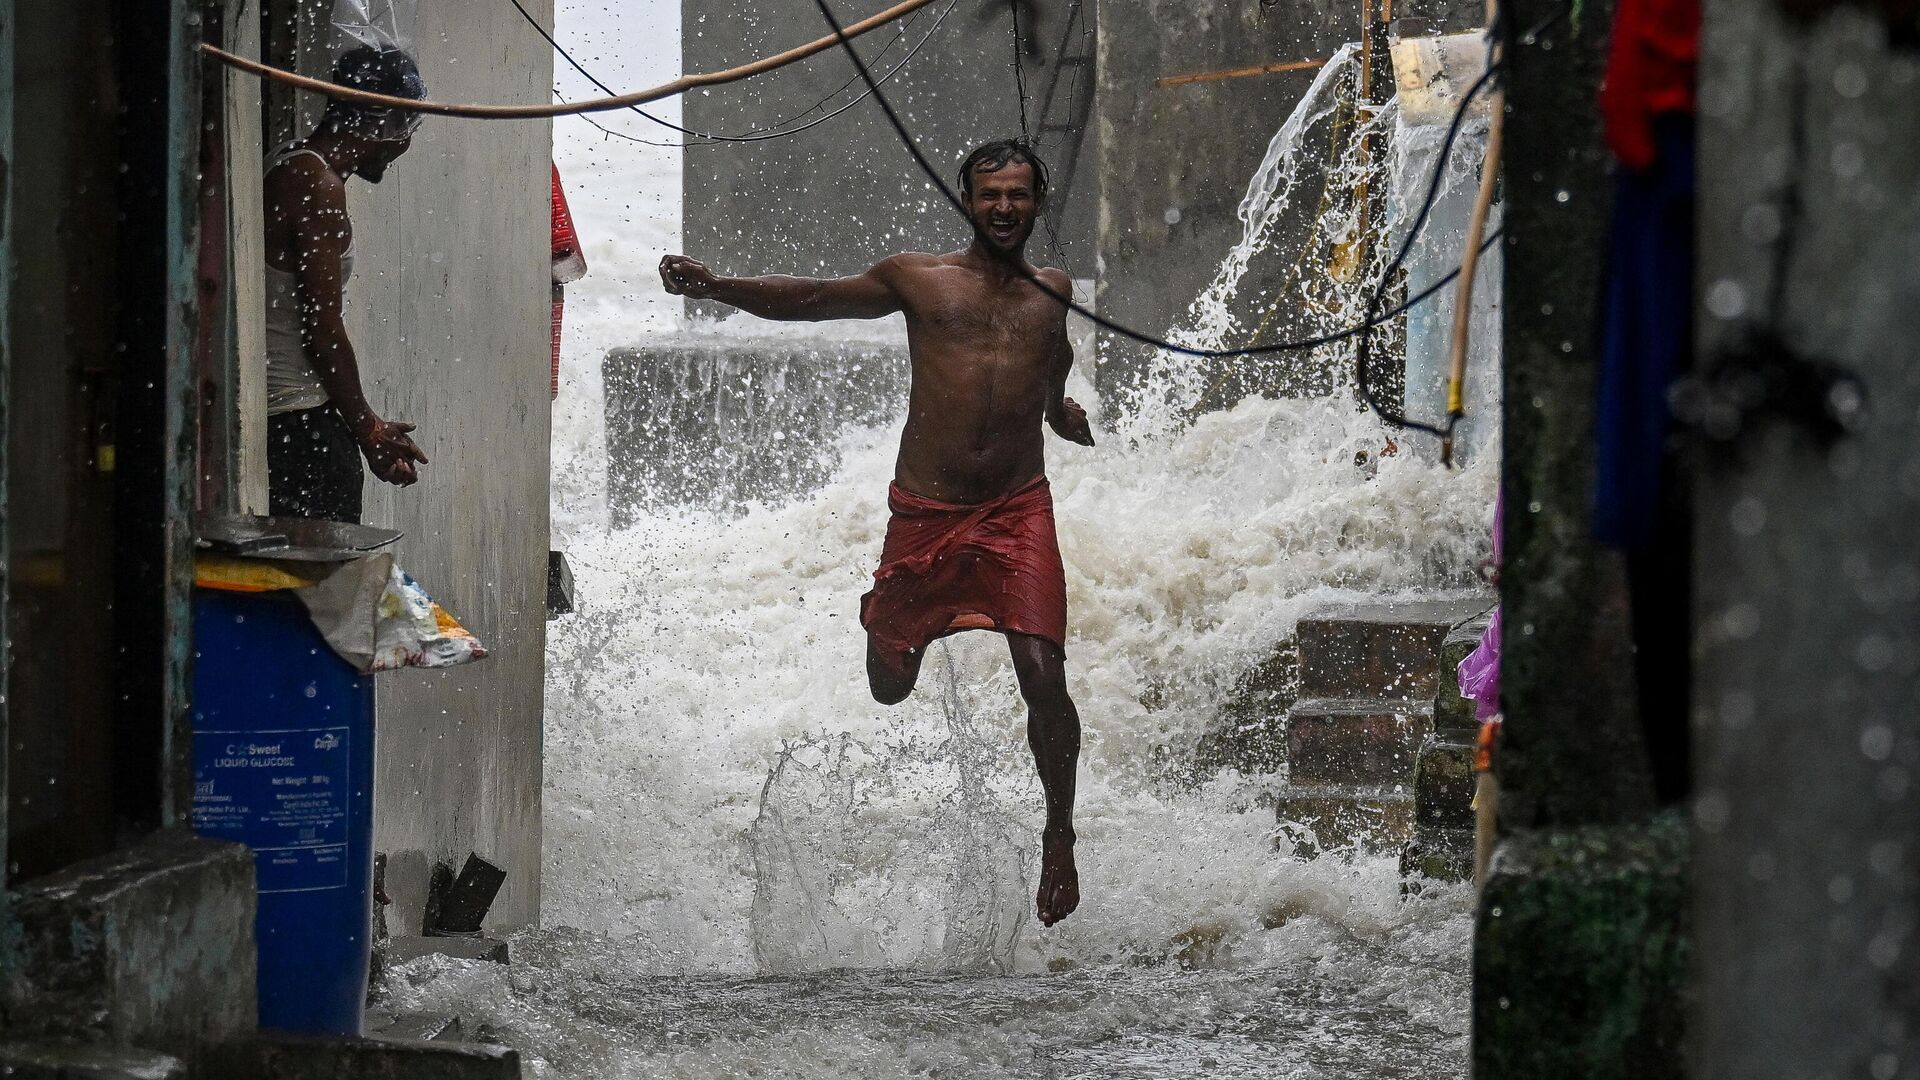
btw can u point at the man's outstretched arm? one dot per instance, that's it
(863, 296)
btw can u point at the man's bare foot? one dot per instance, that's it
(1059, 881)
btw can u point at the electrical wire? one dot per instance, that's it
(772, 131)
(939, 182)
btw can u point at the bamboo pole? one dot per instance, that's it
(533, 112)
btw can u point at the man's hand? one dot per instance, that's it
(687, 277)
(390, 451)
(1070, 423)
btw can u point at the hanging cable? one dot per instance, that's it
(772, 131)
(538, 112)
(940, 184)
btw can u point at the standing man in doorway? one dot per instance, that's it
(971, 543)
(319, 424)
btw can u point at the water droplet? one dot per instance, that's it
(1711, 811)
(1876, 742)
(1726, 299)
(1850, 79)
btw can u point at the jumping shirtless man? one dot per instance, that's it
(970, 545)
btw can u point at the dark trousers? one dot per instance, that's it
(313, 466)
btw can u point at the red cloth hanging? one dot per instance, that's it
(569, 264)
(1650, 72)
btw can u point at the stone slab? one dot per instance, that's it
(1374, 743)
(416, 1027)
(86, 1061)
(1320, 819)
(299, 1058)
(1581, 953)
(150, 945)
(401, 949)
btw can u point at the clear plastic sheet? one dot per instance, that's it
(383, 24)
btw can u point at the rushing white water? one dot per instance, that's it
(752, 869)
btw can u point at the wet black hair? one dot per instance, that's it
(997, 155)
(380, 71)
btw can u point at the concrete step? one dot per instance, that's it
(1451, 712)
(1319, 818)
(1378, 650)
(415, 1027)
(86, 1061)
(294, 1057)
(1374, 743)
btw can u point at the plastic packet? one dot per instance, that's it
(383, 24)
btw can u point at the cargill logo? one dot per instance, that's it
(326, 742)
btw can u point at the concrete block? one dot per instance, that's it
(1443, 781)
(150, 945)
(1437, 854)
(1451, 712)
(1251, 734)
(1378, 650)
(1580, 959)
(718, 423)
(401, 949)
(297, 1058)
(1371, 743)
(1331, 818)
(86, 1061)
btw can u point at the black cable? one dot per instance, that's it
(758, 134)
(1068, 302)
(1364, 351)
(1020, 74)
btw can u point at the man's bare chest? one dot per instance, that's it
(1023, 322)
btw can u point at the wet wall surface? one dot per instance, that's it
(1807, 843)
(449, 309)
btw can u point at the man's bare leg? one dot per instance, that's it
(891, 675)
(1053, 731)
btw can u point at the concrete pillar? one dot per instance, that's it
(1807, 739)
(1579, 953)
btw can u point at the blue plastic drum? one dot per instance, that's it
(283, 762)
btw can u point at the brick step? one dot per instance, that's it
(1328, 817)
(1378, 650)
(1373, 743)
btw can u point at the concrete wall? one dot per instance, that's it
(1175, 160)
(839, 197)
(1807, 832)
(449, 309)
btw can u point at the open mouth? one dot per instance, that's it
(1003, 230)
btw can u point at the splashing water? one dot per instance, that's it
(753, 869)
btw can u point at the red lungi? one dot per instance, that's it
(949, 567)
